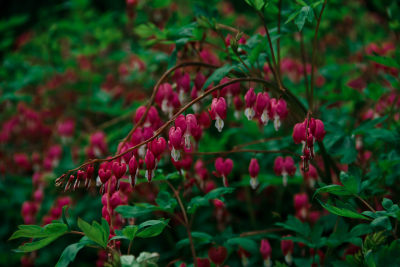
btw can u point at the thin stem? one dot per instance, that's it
(77, 233)
(365, 203)
(275, 68)
(129, 247)
(264, 140)
(304, 61)
(243, 151)
(278, 48)
(265, 231)
(313, 56)
(186, 224)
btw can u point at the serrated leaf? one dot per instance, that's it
(305, 13)
(94, 232)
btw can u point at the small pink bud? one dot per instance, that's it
(265, 249)
(150, 164)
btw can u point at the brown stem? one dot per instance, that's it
(242, 151)
(129, 247)
(77, 233)
(265, 231)
(304, 61)
(264, 140)
(278, 48)
(186, 224)
(313, 56)
(275, 68)
(365, 203)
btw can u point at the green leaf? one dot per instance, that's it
(386, 61)
(246, 243)
(35, 245)
(342, 211)
(151, 228)
(130, 231)
(217, 75)
(295, 225)
(70, 252)
(205, 200)
(64, 217)
(387, 203)
(166, 201)
(138, 210)
(367, 125)
(94, 232)
(257, 4)
(334, 189)
(199, 238)
(382, 222)
(34, 231)
(350, 182)
(306, 12)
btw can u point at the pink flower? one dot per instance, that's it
(261, 107)
(250, 99)
(133, 170)
(284, 167)
(224, 168)
(203, 262)
(218, 112)
(199, 80)
(287, 249)
(150, 164)
(175, 141)
(118, 169)
(265, 250)
(157, 146)
(277, 111)
(218, 255)
(254, 169)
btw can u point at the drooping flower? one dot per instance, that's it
(254, 169)
(218, 112)
(261, 107)
(250, 100)
(133, 170)
(265, 250)
(175, 142)
(277, 111)
(150, 164)
(224, 168)
(287, 249)
(218, 255)
(285, 167)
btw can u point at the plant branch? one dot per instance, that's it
(311, 107)
(243, 151)
(265, 231)
(186, 224)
